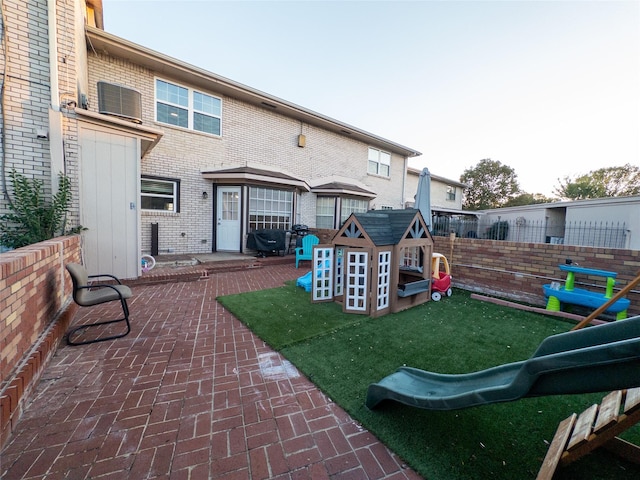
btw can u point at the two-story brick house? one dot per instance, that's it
(159, 148)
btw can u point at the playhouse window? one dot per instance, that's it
(410, 257)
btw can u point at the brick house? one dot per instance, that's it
(163, 153)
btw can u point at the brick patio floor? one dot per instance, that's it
(191, 393)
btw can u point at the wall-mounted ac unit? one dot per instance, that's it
(120, 101)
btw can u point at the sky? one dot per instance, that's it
(549, 88)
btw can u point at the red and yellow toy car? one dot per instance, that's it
(440, 277)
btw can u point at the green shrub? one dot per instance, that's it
(32, 218)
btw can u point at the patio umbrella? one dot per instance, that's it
(423, 196)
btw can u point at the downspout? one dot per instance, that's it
(3, 105)
(404, 183)
(56, 150)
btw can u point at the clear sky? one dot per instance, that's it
(549, 88)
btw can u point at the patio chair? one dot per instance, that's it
(88, 295)
(306, 251)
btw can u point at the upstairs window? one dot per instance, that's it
(379, 162)
(187, 108)
(451, 193)
(160, 194)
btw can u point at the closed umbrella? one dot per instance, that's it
(423, 196)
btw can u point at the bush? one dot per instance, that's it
(498, 231)
(33, 219)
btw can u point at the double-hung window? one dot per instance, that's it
(188, 108)
(326, 208)
(379, 162)
(451, 193)
(325, 212)
(160, 194)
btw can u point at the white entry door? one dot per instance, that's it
(109, 186)
(228, 219)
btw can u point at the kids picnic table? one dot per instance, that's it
(568, 294)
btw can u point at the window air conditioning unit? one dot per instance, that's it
(120, 101)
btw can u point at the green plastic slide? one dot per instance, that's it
(594, 359)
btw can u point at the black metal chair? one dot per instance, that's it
(88, 295)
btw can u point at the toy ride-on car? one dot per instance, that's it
(440, 277)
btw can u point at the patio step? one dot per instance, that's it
(185, 270)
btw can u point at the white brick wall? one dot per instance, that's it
(251, 136)
(28, 91)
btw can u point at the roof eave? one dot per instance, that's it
(101, 41)
(251, 177)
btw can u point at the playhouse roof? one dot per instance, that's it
(386, 227)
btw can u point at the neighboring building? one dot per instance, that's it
(599, 222)
(446, 201)
(166, 156)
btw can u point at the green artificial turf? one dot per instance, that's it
(344, 353)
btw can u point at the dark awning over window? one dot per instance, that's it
(242, 175)
(340, 188)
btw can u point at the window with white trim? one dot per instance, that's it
(188, 108)
(352, 205)
(269, 208)
(379, 162)
(160, 194)
(410, 257)
(325, 212)
(326, 208)
(451, 193)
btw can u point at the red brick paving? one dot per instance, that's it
(191, 393)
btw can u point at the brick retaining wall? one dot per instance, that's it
(35, 312)
(517, 271)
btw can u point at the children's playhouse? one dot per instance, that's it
(379, 262)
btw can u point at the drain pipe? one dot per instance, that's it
(56, 150)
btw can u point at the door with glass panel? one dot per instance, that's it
(228, 219)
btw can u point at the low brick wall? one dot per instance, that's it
(35, 312)
(517, 271)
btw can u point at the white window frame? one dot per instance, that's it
(451, 193)
(189, 107)
(323, 205)
(175, 196)
(349, 205)
(379, 162)
(270, 208)
(341, 208)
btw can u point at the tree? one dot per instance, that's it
(604, 182)
(527, 199)
(490, 185)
